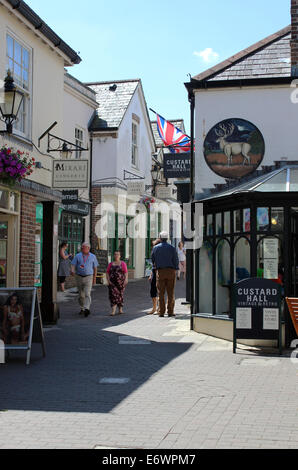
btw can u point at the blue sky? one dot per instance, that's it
(159, 41)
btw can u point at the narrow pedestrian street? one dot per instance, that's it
(140, 381)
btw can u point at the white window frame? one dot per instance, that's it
(135, 145)
(79, 142)
(27, 92)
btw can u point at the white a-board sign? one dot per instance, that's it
(20, 320)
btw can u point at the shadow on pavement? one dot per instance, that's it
(80, 353)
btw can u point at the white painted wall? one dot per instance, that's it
(111, 156)
(47, 90)
(104, 158)
(269, 108)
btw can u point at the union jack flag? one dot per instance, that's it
(172, 137)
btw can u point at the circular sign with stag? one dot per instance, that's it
(234, 148)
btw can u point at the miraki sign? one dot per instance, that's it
(256, 310)
(70, 174)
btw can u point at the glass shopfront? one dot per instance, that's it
(9, 229)
(71, 230)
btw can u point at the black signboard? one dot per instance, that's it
(70, 196)
(177, 165)
(256, 310)
(79, 207)
(103, 261)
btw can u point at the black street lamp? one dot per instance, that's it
(11, 103)
(155, 173)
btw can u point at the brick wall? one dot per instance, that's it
(27, 240)
(294, 41)
(96, 200)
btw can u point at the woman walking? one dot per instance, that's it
(182, 260)
(64, 265)
(153, 289)
(117, 277)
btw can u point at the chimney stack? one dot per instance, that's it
(294, 40)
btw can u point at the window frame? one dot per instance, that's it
(26, 108)
(135, 144)
(79, 142)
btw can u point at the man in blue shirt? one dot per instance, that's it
(165, 259)
(84, 265)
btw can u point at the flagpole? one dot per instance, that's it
(157, 114)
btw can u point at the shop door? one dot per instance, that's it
(8, 251)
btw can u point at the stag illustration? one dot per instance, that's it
(231, 149)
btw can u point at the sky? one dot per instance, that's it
(159, 41)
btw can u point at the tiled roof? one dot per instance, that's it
(113, 99)
(268, 58)
(177, 123)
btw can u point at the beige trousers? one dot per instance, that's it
(84, 285)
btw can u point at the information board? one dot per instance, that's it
(103, 261)
(256, 310)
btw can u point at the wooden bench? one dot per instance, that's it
(292, 303)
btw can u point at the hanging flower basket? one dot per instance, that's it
(14, 165)
(147, 201)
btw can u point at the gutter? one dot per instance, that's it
(40, 25)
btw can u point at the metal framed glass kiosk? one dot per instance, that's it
(250, 230)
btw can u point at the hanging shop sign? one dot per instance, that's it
(82, 208)
(70, 174)
(164, 192)
(177, 166)
(70, 196)
(234, 148)
(25, 328)
(256, 310)
(135, 187)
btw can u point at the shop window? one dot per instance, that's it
(209, 225)
(269, 258)
(218, 221)
(227, 222)
(237, 221)
(262, 219)
(242, 259)
(71, 230)
(246, 220)
(205, 278)
(223, 277)
(277, 219)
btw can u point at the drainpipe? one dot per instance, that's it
(192, 196)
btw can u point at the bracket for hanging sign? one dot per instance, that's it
(131, 176)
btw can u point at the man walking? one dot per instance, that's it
(84, 265)
(165, 259)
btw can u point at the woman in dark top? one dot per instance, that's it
(153, 289)
(64, 265)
